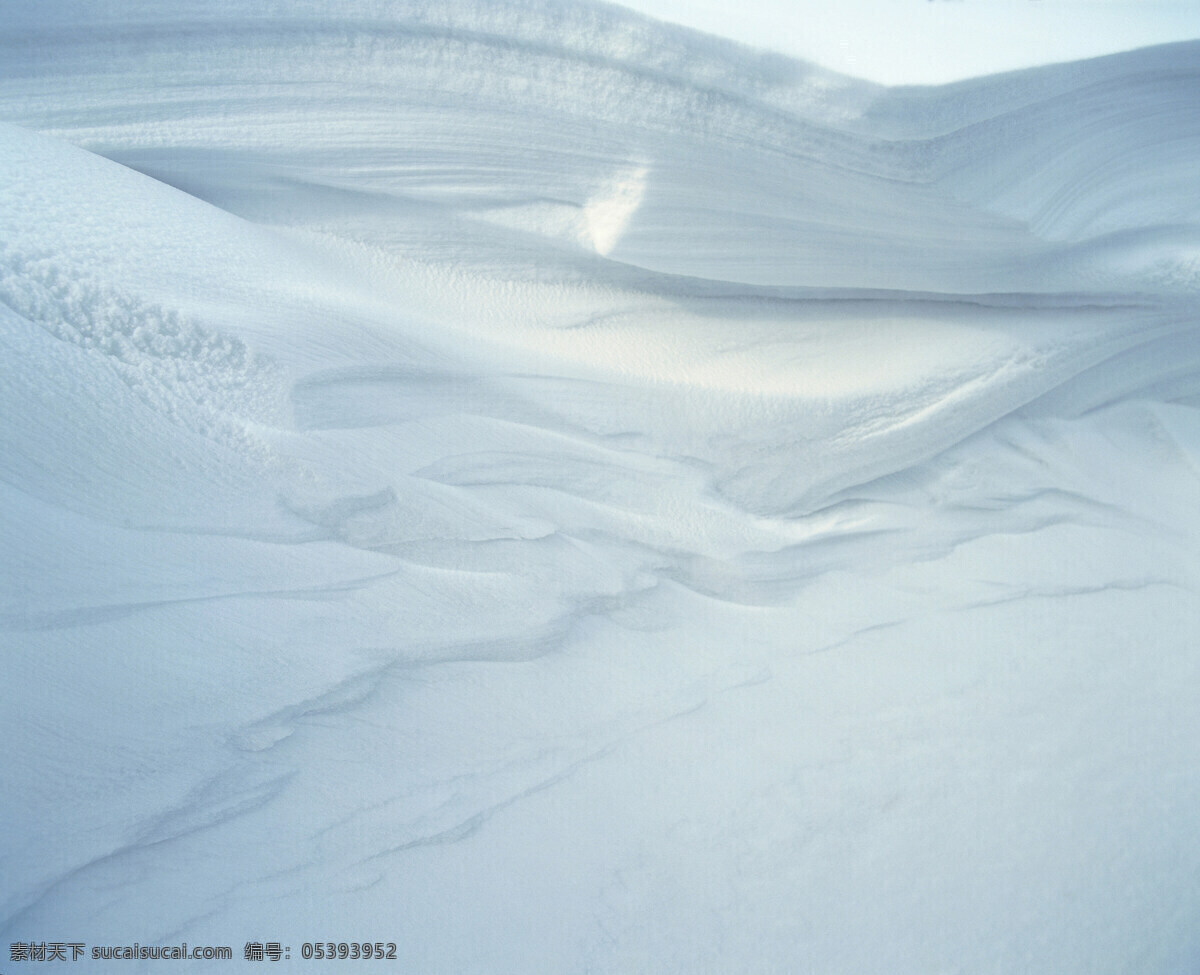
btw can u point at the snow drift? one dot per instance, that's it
(562, 493)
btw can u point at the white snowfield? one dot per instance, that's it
(561, 493)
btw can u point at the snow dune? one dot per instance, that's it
(563, 493)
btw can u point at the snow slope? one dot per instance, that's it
(563, 493)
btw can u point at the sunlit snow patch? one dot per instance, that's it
(608, 212)
(597, 224)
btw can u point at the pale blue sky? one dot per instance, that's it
(929, 41)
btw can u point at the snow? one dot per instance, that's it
(560, 492)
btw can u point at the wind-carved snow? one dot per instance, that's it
(608, 211)
(597, 223)
(561, 493)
